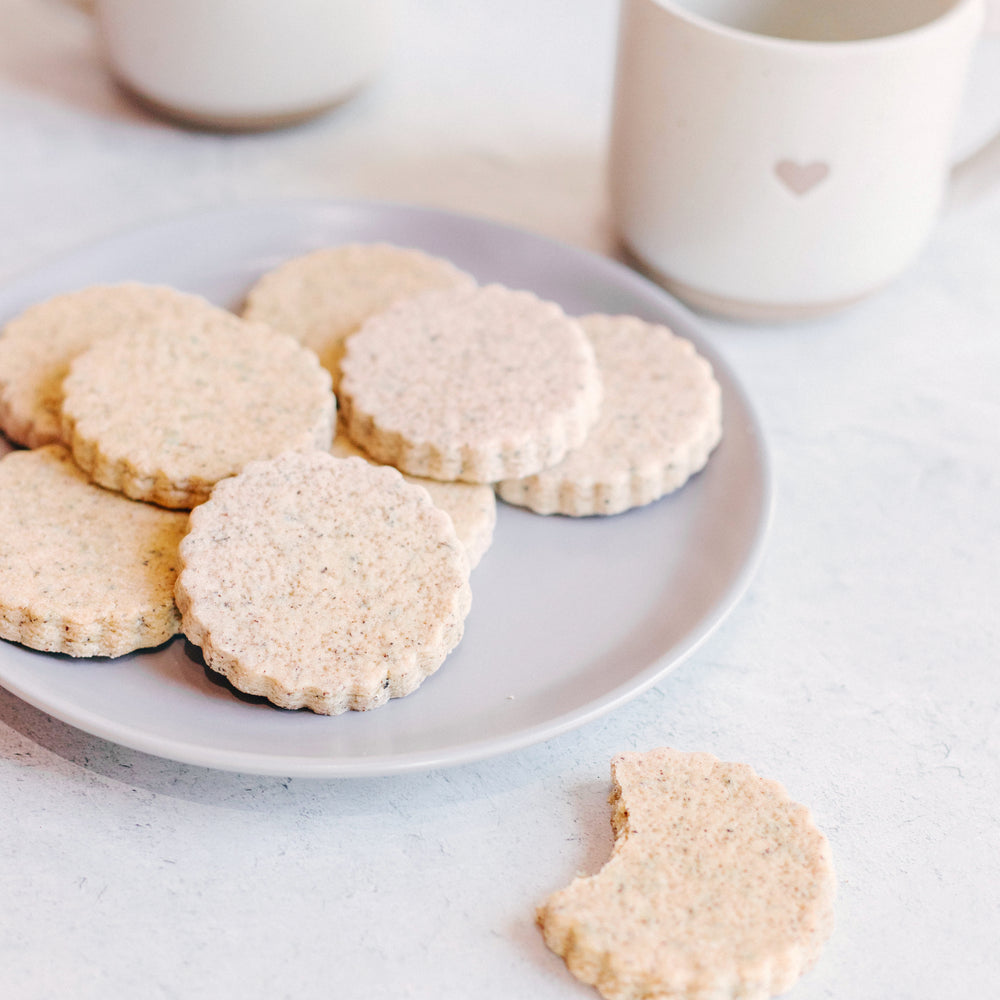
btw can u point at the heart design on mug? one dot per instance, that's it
(801, 178)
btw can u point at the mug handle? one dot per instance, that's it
(979, 172)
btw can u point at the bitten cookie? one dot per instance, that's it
(719, 886)
(37, 346)
(660, 419)
(163, 414)
(324, 583)
(322, 297)
(470, 384)
(472, 507)
(82, 571)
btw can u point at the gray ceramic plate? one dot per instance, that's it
(570, 619)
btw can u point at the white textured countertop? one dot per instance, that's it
(862, 668)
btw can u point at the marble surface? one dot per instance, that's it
(860, 669)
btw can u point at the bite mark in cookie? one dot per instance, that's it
(719, 886)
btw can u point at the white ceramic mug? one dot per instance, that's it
(780, 158)
(242, 63)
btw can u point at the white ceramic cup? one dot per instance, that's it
(242, 63)
(776, 159)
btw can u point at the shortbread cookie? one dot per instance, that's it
(471, 384)
(472, 507)
(82, 571)
(323, 583)
(322, 297)
(719, 886)
(163, 414)
(37, 346)
(660, 420)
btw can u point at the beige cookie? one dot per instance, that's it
(82, 571)
(473, 384)
(37, 346)
(719, 886)
(472, 507)
(324, 583)
(660, 419)
(163, 414)
(322, 297)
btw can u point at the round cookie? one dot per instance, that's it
(163, 414)
(660, 419)
(719, 885)
(37, 346)
(473, 384)
(83, 571)
(324, 583)
(472, 507)
(322, 297)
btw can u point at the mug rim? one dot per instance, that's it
(746, 37)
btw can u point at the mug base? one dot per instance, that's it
(744, 310)
(222, 122)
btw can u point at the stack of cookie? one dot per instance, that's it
(320, 567)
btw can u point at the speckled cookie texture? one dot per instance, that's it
(471, 506)
(83, 571)
(163, 414)
(473, 384)
(37, 346)
(322, 297)
(660, 420)
(324, 583)
(719, 886)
